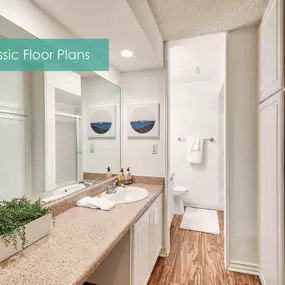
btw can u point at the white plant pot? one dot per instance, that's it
(35, 230)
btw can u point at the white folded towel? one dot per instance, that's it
(195, 149)
(96, 203)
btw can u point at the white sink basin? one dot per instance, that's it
(126, 195)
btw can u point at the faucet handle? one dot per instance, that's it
(94, 181)
(107, 187)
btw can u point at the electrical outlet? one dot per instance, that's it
(155, 149)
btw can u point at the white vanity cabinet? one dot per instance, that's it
(271, 50)
(141, 249)
(147, 243)
(271, 190)
(155, 230)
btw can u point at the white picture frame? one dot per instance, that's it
(102, 122)
(143, 120)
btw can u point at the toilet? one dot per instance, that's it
(178, 193)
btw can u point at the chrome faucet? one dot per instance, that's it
(112, 188)
(87, 184)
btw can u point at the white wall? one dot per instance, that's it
(99, 92)
(144, 87)
(38, 129)
(221, 138)
(72, 109)
(241, 92)
(194, 111)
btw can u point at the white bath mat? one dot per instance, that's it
(200, 220)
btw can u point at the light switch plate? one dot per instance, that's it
(91, 148)
(155, 149)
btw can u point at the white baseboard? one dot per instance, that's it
(208, 207)
(243, 267)
(163, 253)
(262, 280)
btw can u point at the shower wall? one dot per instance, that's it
(66, 153)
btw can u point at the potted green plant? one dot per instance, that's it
(21, 224)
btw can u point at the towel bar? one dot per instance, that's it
(184, 140)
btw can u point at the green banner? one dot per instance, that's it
(54, 54)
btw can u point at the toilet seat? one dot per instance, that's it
(178, 199)
(178, 190)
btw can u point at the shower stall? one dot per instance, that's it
(68, 141)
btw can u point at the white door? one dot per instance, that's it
(13, 156)
(14, 136)
(156, 231)
(271, 190)
(141, 250)
(271, 50)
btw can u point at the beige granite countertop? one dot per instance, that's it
(78, 243)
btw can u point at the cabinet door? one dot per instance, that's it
(141, 250)
(156, 231)
(13, 97)
(13, 156)
(271, 191)
(271, 50)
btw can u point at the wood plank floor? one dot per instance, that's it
(196, 259)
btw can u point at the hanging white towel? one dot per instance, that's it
(96, 203)
(195, 149)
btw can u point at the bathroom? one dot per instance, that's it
(111, 156)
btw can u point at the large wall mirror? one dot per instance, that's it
(15, 125)
(102, 126)
(54, 128)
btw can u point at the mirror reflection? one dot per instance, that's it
(56, 132)
(102, 127)
(61, 128)
(68, 137)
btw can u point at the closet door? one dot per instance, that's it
(14, 135)
(271, 50)
(13, 156)
(271, 190)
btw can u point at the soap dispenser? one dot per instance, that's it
(121, 178)
(108, 174)
(129, 177)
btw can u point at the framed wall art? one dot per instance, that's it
(143, 120)
(102, 121)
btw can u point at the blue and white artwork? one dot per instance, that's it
(102, 122)
(143, 120)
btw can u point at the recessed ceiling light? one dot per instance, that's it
(126, 53)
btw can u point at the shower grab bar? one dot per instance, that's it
(171, 177)
(184, 140)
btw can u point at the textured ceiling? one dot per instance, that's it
(178, 19)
